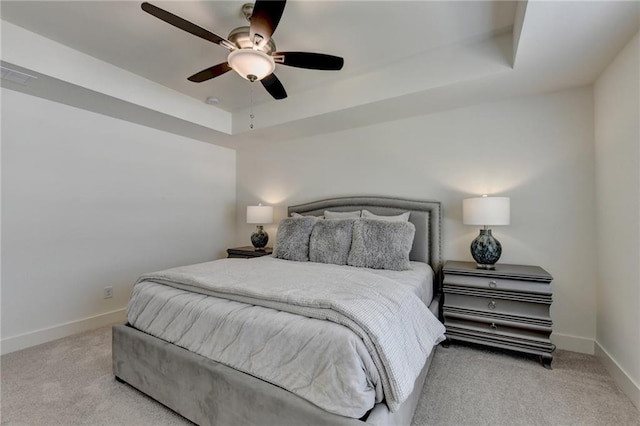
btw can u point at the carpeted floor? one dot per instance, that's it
(69, 382)
(476, 386)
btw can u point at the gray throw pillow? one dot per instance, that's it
(404, 217)
(292, 239)
(379, 244)
(330, 241)
(341, 215)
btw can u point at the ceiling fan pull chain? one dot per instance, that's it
(251, 108)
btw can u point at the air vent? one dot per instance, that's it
(16, 76)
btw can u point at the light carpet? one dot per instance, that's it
(70, 382)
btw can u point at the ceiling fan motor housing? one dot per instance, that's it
(252, 62)
(241, 38)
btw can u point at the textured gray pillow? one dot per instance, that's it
(330, 241)
(380, 244)
(404, 217)
(341, 215)
(292, 239)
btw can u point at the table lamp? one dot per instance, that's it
(486, 211)
(259, 215)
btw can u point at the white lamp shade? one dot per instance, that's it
(259, 214)
(486, 211)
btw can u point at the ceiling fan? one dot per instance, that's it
(252, 51)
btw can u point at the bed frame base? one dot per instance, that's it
(207, 392)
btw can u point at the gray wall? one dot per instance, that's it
(538, 150)
(617, 139)
(89, 201)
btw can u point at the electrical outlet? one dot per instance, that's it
(107, 293)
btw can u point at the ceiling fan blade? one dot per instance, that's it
(185, 25)
(210, 73)
(274, 87)
(312, 61)
(265, 18)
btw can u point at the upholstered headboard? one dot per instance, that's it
(425, 215)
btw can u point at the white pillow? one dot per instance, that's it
(294, 214)
(404, 217)
(341, 215)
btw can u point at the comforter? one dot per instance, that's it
(386, 331)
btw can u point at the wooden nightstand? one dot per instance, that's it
(248, 252)
(506, 308)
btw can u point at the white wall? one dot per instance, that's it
(617, 141)
(90, 201)
(537, 150)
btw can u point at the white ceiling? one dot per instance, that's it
(405, 55)
(367, 34)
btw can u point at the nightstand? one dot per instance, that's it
(505, 308)
(248, 252)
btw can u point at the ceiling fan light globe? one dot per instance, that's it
(251, 64)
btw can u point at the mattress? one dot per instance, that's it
(321, 361)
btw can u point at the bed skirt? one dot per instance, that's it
(207, 392)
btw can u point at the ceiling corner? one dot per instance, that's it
(518, 24)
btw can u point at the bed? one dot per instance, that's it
(243, 388)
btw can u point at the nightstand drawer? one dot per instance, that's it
(496, 305)
(510, 321)
(497, 294)
(500, 284)
(495, 331)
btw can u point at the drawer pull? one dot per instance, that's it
(493, 326)
(493, 284)
(492, 305)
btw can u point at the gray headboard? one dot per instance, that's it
(425, 215)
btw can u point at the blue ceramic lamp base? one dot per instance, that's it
(260, 238)
(486, 250)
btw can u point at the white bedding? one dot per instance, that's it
(321, 361)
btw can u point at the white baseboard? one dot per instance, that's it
(33, 338)
(620, 376)
(573, 343)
